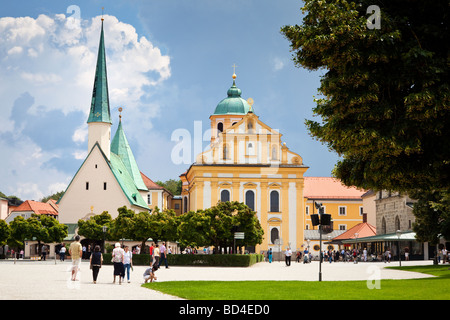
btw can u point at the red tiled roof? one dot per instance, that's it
(363, 229)
(150, 184)
(36, 207)
(329, 188)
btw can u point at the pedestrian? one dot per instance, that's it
(299, 256)
(96, 261)
(149, 274)
(156, 255)
(163, 253)
(269, 254)
(76, 253)
(62, 253)
(365, 254)
(127, 262)
(288, 255)
(44, 252)
(150, 250)
(444, 255)
(118, 256)
(83, 256)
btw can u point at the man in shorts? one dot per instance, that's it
(75, 251)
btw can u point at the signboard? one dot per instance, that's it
(239, 235)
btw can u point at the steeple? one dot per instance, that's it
(99, 121)
(100, 101)
(121, 148)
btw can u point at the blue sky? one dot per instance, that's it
(169, 64)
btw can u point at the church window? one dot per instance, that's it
(397, 223)
(104, 185)
(87, 185)
(250, 199)
(219, 128)
(149, 198)
(250, 149)
(225, 195)
(250, 126)
(274, 235)
(274, 201)
(383, 226)
(185, 204)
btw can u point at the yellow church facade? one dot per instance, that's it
(247, 162)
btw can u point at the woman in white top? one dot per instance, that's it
(127, 262)
(118, 256)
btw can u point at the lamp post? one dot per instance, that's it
(399, 233)
(356, 244)
(104, 228)
(320, 219)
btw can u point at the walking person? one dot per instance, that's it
(156, 255)
(118, 256)
(127, 262)
(76, 252)
(96, 261)
(163, 252)
(270, 254)
(62, 253)
(150, 251)
(44, 252)
(288, 255)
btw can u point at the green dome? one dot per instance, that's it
(233, 104)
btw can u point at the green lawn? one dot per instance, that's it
(415, 289)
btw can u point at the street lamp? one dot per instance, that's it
(104, 228)
(321, 219)
(399, 233)
(356, 244)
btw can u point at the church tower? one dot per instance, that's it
(99, 121)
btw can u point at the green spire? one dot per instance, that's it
(121, 148)
(100, 101)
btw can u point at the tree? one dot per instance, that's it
(171, 185)
(194, 229)
(93, 227)
(19, 232)
(226, 217)
(5, 232)
(432, 212)
(54, 196)
(122, 227)
(385, 92)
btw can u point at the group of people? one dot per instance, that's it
(122, 259)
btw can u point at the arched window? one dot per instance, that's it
(219, 128)
(383, 226)
(185, 204)
(224, 195)
(397, 223)
(250, 199)
(274, 235)
(250, 149)
(274, 201)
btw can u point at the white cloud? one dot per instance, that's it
(53, 60)
(278, 64)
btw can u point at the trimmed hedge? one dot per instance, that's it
(209, 260)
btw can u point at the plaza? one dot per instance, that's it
(47, 280)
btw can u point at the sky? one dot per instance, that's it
(169, 63)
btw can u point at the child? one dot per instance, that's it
(149, 274)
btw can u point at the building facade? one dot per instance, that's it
(247, 162)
